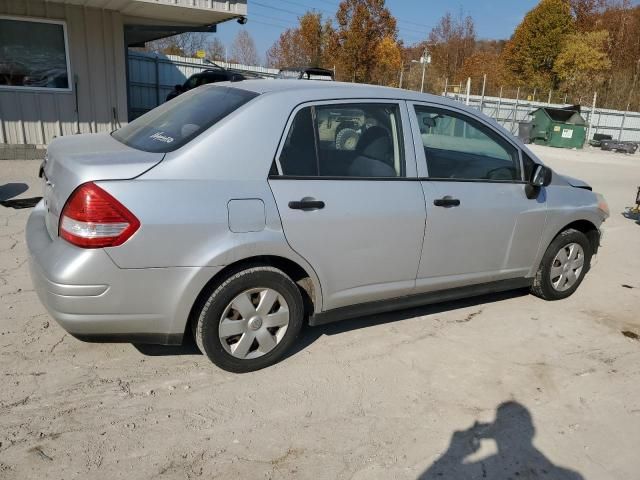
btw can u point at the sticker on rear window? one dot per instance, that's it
(161, 137)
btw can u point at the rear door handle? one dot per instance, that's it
(446, 201)
(306, 204)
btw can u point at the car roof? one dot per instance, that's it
(321, 89)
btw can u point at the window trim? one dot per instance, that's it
(67, 55)
(421, 156)
(406, 136)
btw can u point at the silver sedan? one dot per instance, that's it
(238, 212)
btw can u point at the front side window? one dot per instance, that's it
(345, 140)
(33, 54)
(459, 147)
(175, 123)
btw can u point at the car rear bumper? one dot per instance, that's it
(95, 300)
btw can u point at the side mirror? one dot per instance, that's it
(429, 122)
(541, 176)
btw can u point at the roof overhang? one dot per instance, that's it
(171, 12)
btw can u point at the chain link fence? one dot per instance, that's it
(510, 112)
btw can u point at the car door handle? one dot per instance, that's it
(446, 201)
(306, 204)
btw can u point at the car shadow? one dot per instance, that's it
(628, 214)
(310, 334)
(10, 190)
(512, 432)
(188, 347)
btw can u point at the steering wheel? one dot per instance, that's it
(509, 173)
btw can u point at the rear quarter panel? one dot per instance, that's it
(182, 203)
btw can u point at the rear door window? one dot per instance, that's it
(345, 140)
(173, 124)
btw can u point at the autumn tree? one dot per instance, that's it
(361, 27)
(389, 62)
(531, 53)
(483, 63)
(450, 43)
(243, 49)
(586, 12)
(216, 49)
(583, 63)
(304, 45)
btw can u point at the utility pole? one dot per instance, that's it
(633, 86)
(468, 91)
(591, 114)
(425, 59)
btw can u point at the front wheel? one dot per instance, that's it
(250, 320)
(563, 266)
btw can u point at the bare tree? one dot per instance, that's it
(185, 44)
(216, 49)
(243, 49)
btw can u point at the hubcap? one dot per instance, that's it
(254, 323)
(567, 266)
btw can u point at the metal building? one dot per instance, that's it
(63, 63)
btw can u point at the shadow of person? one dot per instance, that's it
(632, 215)
(516, 456)
(10, 190)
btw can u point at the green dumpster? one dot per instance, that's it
(558, 127)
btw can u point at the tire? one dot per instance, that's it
(549, 284)
(220, 321)
(347, 139)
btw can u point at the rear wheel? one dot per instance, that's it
(250, 320)
(563, 266)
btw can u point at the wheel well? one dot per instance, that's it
(589, 229)
(291, 268)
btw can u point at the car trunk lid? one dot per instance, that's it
(74, 160)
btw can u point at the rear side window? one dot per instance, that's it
(175, 123)
(345, 140)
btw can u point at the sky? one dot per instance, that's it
(494, 19)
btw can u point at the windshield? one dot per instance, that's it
(175, 123)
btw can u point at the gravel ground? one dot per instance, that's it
(554, 387)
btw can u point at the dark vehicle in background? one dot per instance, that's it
(306, 73)
(619, 146)
(210, 75)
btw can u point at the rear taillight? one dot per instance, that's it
(92, 218)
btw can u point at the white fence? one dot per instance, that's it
(509, 112)
(152, 76)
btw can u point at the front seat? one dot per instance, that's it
(374, 154)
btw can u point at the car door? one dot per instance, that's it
(349, 199)
(481, 227)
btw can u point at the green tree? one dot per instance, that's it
(532, 51)
(583, 63)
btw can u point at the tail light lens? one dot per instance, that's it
(92, 218)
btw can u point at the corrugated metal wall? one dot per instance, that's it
(97, 56)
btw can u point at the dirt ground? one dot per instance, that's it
(554, 387)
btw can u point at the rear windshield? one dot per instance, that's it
(175, 123)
